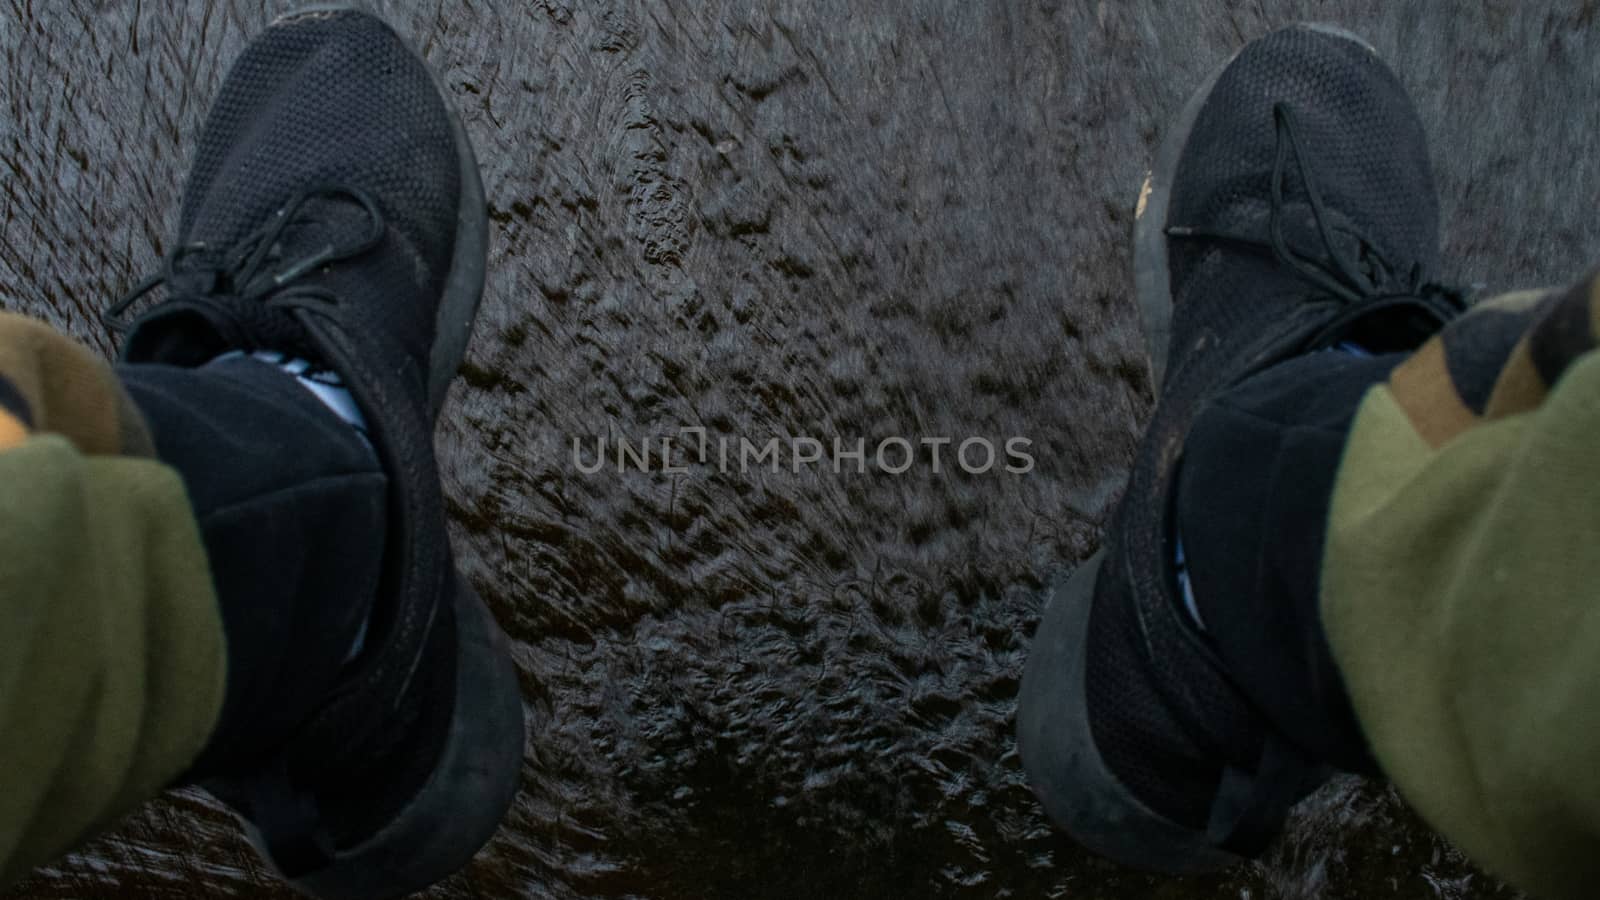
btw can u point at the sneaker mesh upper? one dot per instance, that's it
(335, 99)
(1368, 155)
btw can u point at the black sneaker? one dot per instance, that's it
(1291, 209)
(334, 211)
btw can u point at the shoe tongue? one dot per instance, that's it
(191, 331)
(178, 334)
(1396, 325)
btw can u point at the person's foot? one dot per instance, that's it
(1291, 210)
(334, 213)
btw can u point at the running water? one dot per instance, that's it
(789, 219)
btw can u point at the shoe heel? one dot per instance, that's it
(1065, 769)
(462, 804)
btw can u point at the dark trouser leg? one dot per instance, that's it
(291, 504)
(1252, 509)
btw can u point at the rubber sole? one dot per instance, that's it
(1065, 769)
(461, 805)
(1152, 279)
(463, 802)
(463, 287)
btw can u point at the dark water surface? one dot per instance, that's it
(785, 218)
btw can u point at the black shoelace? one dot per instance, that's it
(248, 290)
(1363, 281)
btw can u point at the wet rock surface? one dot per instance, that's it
(788, 219)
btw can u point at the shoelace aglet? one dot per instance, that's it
(304, 266)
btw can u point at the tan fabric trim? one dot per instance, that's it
(1423, 389)
(12, 432)
(71, 391)
(1519, 387)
